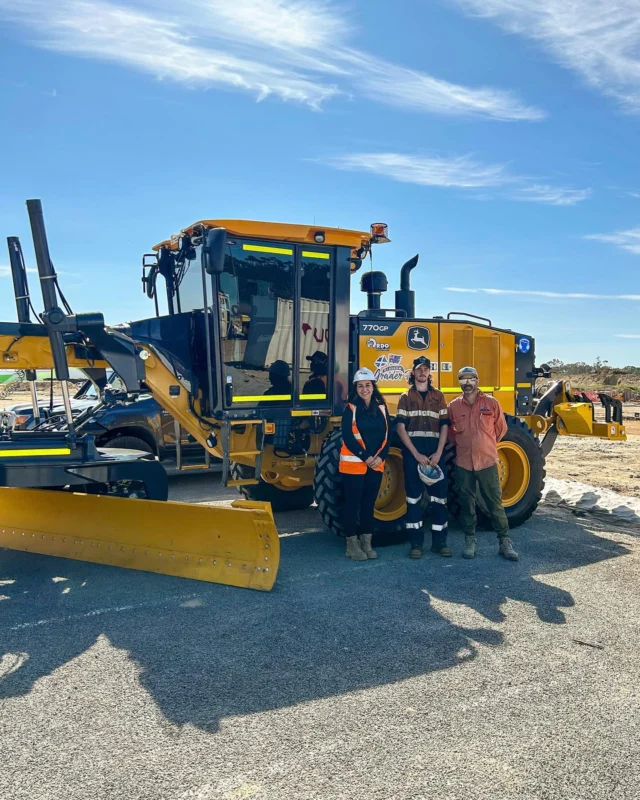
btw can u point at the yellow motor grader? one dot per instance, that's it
(251, 349)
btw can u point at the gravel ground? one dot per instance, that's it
(390, 679)
(611, 465)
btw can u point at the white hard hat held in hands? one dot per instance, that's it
(364, 374)
(430, 474)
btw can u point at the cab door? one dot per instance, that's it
(256, 294)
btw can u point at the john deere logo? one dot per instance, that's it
(418, 337)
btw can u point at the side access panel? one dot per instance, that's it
(388, 347)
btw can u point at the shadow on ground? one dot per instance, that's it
(330, 626)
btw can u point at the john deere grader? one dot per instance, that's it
(251, 350)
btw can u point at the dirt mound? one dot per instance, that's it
(603, 380)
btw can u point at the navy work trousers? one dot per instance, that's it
(360, 493)
(414, 488)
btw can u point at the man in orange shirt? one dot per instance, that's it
(477, 425)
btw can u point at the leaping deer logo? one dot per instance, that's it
(418, 338)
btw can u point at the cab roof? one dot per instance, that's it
(280, 231)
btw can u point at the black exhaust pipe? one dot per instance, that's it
(405, 298)
(21, 292)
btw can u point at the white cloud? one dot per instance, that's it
(627, 335)
(462, 172)
(625, 240)
(294, 49)
(599, 40)
(540, 293)
(551, 195)
(634, 194)
(405, 88)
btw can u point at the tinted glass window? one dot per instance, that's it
(315, 286)
(256, 319)
(190, 288)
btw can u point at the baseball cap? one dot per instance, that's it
(421, 360)
(319, 356)
(467, 372)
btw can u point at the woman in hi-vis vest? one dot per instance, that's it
(365, 444)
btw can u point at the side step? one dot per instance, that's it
(180, 466)
(229, 456)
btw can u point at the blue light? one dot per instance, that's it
(524, 345)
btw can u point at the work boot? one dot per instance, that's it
(506, 549)
(439, 543)
(415, 552)
(365, 545)
(354, 550)
(469, 547)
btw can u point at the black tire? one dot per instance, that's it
(129, 443)
(449, 457)
(126, 488)
(281, 500)
(328, 493)
(521, 435)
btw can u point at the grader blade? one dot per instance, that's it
(237, 545)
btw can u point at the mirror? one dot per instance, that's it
(214, 250)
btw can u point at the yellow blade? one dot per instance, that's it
(237, 545)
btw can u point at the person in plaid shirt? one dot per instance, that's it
(422, 421)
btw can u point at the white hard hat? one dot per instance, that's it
(364, 374)
(430, 474)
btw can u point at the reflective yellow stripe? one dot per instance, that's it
(309, 254)
(255, 397)
(258, 248)
(524, 385)
(54, 451)
(393, 391)
(302, 413)
(504, 389)
(313, 396)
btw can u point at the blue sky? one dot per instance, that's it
(497, 138)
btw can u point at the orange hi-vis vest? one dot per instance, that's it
(350, 463)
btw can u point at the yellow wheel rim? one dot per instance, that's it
(514, 471)
(391, 503)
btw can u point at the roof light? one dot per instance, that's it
(318, 237)
(379, 232)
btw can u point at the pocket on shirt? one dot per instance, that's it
(460, 426)
(487, 423)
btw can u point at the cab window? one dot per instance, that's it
(315, 288)
(256, 292)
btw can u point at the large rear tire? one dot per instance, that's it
(281, 499)
(521, 470)
(390, 505)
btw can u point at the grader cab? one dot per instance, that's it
(251, 349)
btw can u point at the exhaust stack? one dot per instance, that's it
(405, 297)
